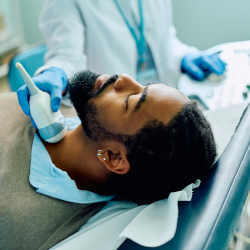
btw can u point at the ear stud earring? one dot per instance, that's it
(100, 153)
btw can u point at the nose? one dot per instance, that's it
(127, 83)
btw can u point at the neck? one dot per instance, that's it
(76, 154)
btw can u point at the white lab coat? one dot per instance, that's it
(91, 34)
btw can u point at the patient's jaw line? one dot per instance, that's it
(77, 153)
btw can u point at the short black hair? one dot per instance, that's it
(165, 158)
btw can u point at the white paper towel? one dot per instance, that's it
(156, 223)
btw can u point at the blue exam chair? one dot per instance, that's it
(209, 220)
(31, 60)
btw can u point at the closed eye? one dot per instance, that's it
(126, 102)
(141, 100)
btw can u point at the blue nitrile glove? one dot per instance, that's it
(53, 81)
(200, 65)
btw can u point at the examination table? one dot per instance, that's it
(209, 220)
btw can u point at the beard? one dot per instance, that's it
(81, 91)
(81, 88)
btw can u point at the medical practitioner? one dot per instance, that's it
(136, 37)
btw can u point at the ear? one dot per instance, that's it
(114, 157)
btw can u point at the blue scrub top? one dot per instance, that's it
(148, 73)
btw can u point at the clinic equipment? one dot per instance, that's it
(50, 124)
(228, 89)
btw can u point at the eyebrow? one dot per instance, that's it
(111, 80)
(142, 99)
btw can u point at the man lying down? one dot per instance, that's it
(132, 142)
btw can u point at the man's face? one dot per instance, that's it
(122, 105)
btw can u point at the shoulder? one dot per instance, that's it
(9, 105)
(13, 120)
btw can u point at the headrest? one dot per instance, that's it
(207, 221)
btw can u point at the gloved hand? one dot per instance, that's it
(200, 65)
(53, 81)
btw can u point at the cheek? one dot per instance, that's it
(111, 113)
